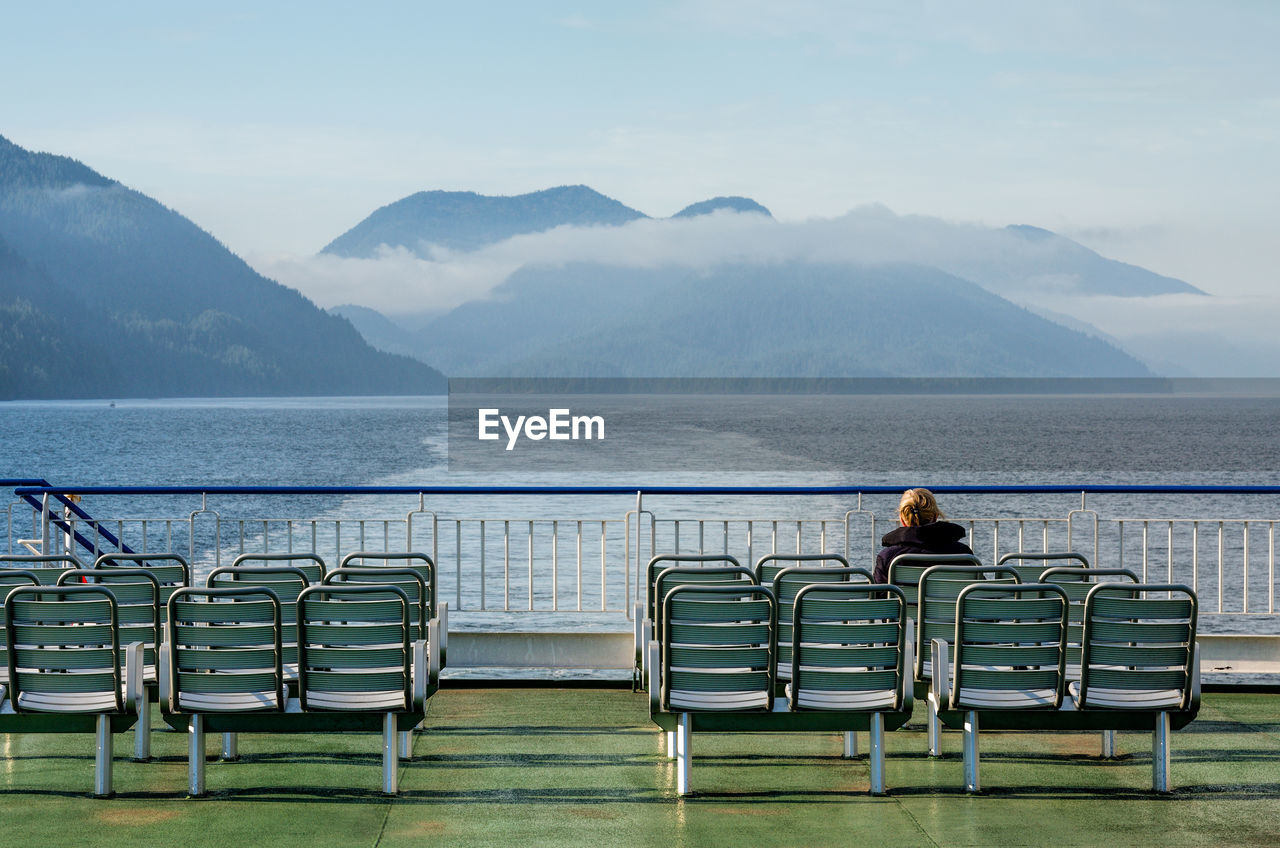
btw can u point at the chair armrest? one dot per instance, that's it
(1194, 704)
(655, 668)
(908, 666)
(637, 616)
(163, 681)
(435, 649)
(442, 613)
(421, 676)
(135, 692)
(940, 685)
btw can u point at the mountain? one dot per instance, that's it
(464, 220)
(794, 319)
(1048, 262)
(733, 204)
(111, 294)
(379, 330)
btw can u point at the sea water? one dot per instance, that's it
(854, 440)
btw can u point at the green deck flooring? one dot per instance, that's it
(532, 767)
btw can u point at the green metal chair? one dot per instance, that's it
(853, 656)
(1077, 582)
(767, 567)
(67, 670)
(1030, 564)
(429, 598)
(717, 655)
(46, 567)
(137, 594)
(939, 587)
(647, 611)
(9, 578)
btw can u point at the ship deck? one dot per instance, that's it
(538, 765)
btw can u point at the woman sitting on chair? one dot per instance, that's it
(922, 532)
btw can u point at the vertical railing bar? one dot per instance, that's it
(604, 562)
(822, 537)
(1044, 538)
(530, 566)
(483, 538)
(1220, 556)
(1244, 601)
(1145, 524)
(799, 537)
(701, 537)
(773, 539)
(1170, 563)
(315, 536)
(363, 545)
(1271, 567)
(1195, 556)
(725, 534)
(555, 567)
(751, 554)
(1120, 528)
(506, 566)
(578, 546)
(386, 536)
(289, 535)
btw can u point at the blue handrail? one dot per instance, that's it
(30, 491)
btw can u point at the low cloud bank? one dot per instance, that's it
(1177, 333)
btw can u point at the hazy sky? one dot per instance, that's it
(1148, 130)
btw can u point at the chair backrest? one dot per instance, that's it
(63, 646)
(9, 578)
(422, 563)
(905, 571)
(407, 580)
(171, 570)
(354, 649)
(669, 578)
(850, 647)
(1029, 564)
(1138, 647)
(1077, 582)
(137, 595)
(662, 562)
(786, 583)
(718, 648)
(46, 567)
(312, 565)
(1009, 647)
(935, 612)
(225, 650)
(285, 581)
(767, 567)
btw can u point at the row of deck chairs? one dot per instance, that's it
(816, 646)
(272, 643)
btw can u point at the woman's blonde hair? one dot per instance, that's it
(917, 507)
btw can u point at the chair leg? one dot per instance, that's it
(671, 744)
(102, 758)
(850, 744)
(1160, 754)
(142, 734)
(195, 756)
(683, 755)
(877, 754)
(389, 754)
(230, 747)
(406, 744)
(934, 730)
(1108, 744)
(971, 783)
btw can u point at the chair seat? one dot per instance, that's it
(385, 701)
(870, 701)
(1127, 699)
(683, 700)
(227, 702)
(1004, 699)
(67, 702)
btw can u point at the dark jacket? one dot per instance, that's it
(940, 537)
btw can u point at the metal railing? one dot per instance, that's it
(592, 563)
